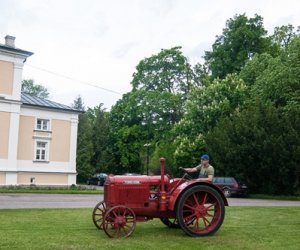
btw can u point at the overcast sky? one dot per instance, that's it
(78, 43)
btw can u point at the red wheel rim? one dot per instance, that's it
(98, 214)
(119, 221)
(201, 212)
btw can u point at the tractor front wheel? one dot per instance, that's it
(119, 221)
(200, 211)
(98, 214)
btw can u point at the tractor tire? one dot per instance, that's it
(200, 211)
(98, 214)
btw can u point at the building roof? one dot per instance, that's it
(30, 100)
(4, 47)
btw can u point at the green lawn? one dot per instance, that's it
(276, 197)
(50, 190)
(243, 228)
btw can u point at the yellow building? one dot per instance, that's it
(37, 136)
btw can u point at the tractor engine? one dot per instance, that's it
(141, 193)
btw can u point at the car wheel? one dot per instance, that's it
(227, 192)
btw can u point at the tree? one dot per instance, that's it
(260, 145)
(78, 103)
(262, 139)
(144, 117)
(84, 143)
(284, 34)
(29, 87)
(205, 107)
(126, 133)
(241, 39)
(100, 137)
(168, 71)
(276, 79)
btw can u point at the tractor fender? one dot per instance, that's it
(174, 197)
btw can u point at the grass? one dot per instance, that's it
(276, 197)
(50, 190)
(243, 228)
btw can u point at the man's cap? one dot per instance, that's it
(205, 157)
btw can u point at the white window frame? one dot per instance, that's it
(46, 149)
(43, 121)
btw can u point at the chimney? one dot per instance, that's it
(10, 41)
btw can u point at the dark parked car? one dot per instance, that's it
(231, 186)
(97, 179)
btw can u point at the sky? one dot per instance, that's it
(91, 48)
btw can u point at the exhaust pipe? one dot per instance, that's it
(163, 195)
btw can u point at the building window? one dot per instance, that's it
(42, 124)
(41, 152)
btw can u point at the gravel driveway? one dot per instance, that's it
(89, 201)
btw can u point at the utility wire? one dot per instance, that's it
(72, 79)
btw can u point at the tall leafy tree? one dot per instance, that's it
(84, 143)
(29, 87)
(276, 79)
(100, 137)
(205, 107)
(284, 34)
(78, 103)
(241, 39)
(263, 138)
(261, 146)
(144, 117)
(167, 71)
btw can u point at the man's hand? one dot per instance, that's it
(183, 169)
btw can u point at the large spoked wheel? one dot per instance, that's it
(119, 221)
(98, 214)
(170, 222)
(200, 211)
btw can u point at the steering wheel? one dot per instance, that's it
(186, 175)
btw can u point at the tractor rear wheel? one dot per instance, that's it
(98, 214)
(200, 211)
(119, 221)
(170, 222)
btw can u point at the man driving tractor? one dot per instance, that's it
(206, 171)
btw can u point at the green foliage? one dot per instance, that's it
(275, 79)
(241, 39)
(29, 87)
(164, 149)
(205, 107)
(284, 34)
(167, 71)
(84, 149)
(84, 143)
(241, 106)
(259, 145)
(78, 104)
(146, 115)
(99, 121)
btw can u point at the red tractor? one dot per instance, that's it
(195, 206)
